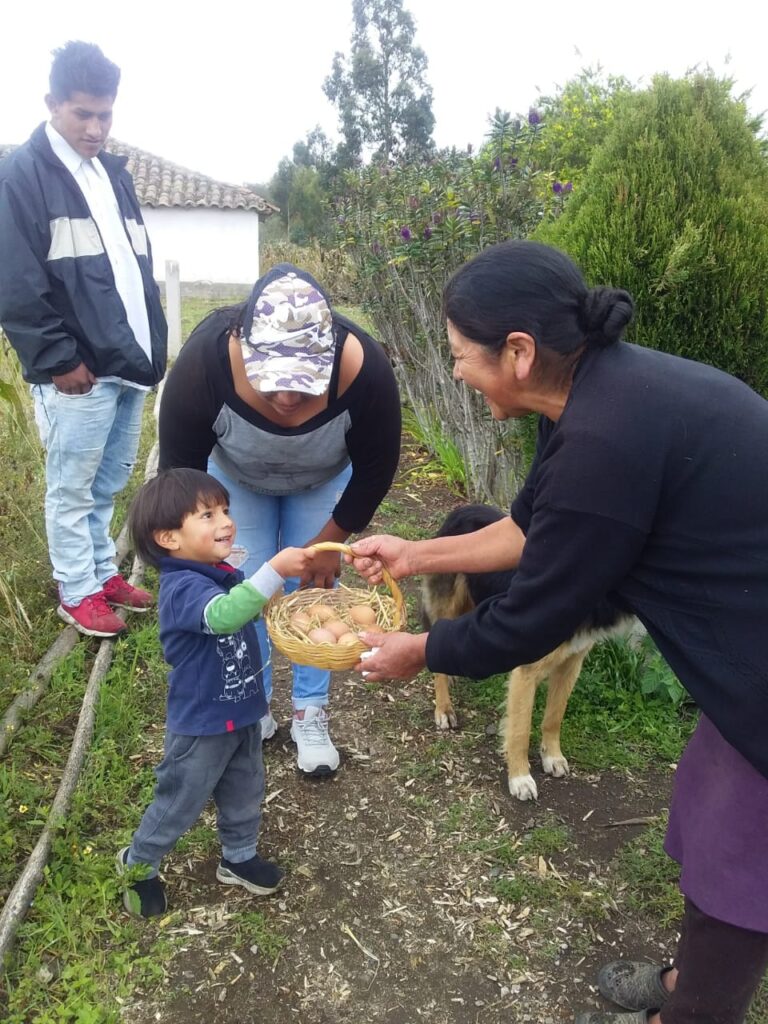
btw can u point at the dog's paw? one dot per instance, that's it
(555, 766)
(523, 787)
(445, 718)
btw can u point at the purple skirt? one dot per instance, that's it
(718, 831)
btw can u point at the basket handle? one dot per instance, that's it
(345, 549)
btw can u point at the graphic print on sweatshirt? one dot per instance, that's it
(238, 677)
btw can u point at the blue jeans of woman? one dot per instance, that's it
(265, 524)
(91, 442)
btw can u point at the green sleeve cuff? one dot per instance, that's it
(230, 612)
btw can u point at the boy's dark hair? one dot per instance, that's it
(82, 67)
(164, 502)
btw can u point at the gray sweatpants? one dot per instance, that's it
(227, 767)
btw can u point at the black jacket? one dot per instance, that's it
(649, 490)
(59, 304)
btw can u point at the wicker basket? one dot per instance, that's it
(295, 645)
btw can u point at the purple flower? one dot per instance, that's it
(513, 161)
(427, 232)
(557, 188)
(534, 117)
(497, 164)
(516, 126)
(376, 248)
(405, 233)
(568, 186)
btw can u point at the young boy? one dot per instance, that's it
(180, 523)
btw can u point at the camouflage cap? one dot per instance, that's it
(288, 342)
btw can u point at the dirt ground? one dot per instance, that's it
(389, 912)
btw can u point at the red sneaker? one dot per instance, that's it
(92, 616)
(121, 594)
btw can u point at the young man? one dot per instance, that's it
(81, 308)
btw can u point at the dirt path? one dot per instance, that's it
(417, 889)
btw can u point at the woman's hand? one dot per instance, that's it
(371, 553)
(397, 655)
(323, 571)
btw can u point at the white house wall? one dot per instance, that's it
(220, 246)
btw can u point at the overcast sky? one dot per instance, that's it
(227, 88)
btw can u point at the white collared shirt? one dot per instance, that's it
(93, 181)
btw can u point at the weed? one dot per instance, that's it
(252, 928)
(546, 840)
(651, 876)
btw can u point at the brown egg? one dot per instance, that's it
(349, 639)
(322, 612)
(300, 620)
(337, 627)
(362, 614)
(321, 636)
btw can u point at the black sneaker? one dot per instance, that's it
(256, 875)
(145, 898)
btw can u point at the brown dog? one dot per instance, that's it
(448, 595)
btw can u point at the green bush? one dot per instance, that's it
(674, 207)
(578, 118)
(406, 229)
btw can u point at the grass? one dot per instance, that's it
(77, 956)
(610, 722)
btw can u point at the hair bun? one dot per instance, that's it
(604, 315)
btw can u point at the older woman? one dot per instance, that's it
(295, 410)
(648, 486)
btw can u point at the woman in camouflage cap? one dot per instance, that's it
(296, 410)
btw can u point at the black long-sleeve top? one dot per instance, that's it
(651, 489)
(199, 405)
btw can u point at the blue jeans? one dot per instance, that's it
(265, 524)
(91, 442)
(227, 767)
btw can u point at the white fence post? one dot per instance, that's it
(173, 307)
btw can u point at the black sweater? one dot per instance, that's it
(200, 385)
(650, 489)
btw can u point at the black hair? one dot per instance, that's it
(538, 290)
(165, 501)
(82, 67)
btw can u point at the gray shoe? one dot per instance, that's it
(633, 985)
(598, 1017)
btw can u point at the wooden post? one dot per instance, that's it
(173, 307)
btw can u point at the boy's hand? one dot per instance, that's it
(295, 562)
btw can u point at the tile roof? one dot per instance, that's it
(162, 183)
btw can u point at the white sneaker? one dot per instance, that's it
(268, 725)
(316, 754)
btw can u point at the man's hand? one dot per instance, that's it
(398, 655)
(77, 382)
(370, 553)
